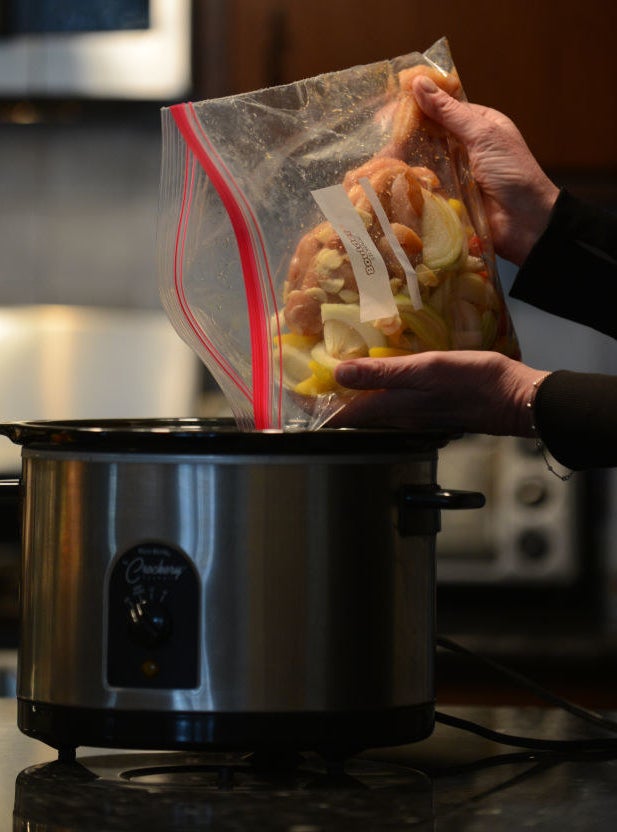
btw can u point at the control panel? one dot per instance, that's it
(153, 619)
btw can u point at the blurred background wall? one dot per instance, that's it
(549, 65)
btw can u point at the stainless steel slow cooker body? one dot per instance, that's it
(185, 585)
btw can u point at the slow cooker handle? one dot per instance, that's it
(419, 507)
(414, 496)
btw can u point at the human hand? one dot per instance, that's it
(457, 390)
(518, 195)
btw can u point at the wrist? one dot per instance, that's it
(530, 406)
(541, 447)
(537, 218)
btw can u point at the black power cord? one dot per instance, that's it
(602, 747)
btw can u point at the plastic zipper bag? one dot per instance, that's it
(327, 219)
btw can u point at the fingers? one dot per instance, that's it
(351, 374)
(373, 373)
(419, 372)
(447, 111)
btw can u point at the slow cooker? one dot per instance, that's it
(186, 585)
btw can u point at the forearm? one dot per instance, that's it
(572, 269)
(576, 418)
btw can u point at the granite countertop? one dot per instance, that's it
(443, 783)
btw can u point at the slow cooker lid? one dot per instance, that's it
(212, 436)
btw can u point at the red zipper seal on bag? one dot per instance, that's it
(182, 230)
(246, 229)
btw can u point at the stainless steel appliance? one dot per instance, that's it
(137, 49)
(186, 585)
(535, 529)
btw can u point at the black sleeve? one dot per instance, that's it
(572, 269)
(576, 418)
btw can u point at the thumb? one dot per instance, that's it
(441, 107)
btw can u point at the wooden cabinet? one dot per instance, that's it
(549, 65)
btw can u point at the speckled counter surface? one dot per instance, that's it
(439, 784)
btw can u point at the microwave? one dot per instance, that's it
(105, 49)
(533, 527)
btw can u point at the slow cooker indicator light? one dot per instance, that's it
(150, 668)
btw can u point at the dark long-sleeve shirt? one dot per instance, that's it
(572, 272)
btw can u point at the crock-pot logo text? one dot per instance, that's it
(137, 569)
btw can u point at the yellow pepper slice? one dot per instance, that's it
(322, 381)
(386, 352)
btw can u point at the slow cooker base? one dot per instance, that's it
(333, 734)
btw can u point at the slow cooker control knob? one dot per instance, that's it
(149, 622)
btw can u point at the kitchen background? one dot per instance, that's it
(81, 327)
